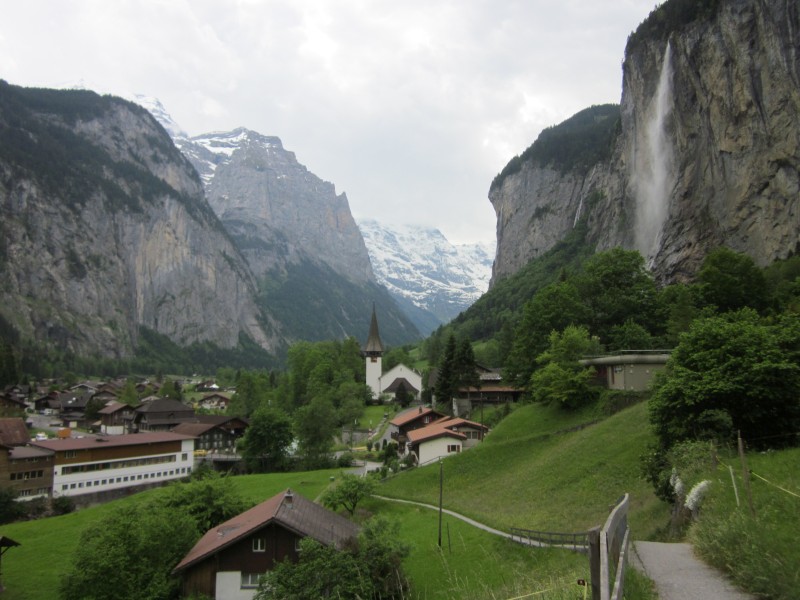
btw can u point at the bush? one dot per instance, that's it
(62, 505)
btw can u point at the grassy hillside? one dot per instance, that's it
(757, 549)
(527, 475)
(33, 571)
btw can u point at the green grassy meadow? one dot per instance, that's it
(33, 570)
(530, 472)
(525, 475)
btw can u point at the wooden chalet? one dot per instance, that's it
(215, 401)
(161, 414)
(11, 402)
(416, 418)
(25, 469)
(229, 559)
(114, 417)
(214, 433)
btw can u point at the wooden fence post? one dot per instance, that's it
(594, 561)
(746, 476)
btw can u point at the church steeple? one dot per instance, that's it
(374, 347)
(373, 351)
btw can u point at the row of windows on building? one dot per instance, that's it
(127, 478)
(25, 475)
(44, 491)
(121, 464)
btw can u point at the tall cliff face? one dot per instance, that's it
(298, 236)
(277, 211)
(105, 228)
(707, 152)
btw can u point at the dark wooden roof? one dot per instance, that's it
(111, 407)
(290, 510)
(193, 429)
(393, 387)
(164, 405)
(13, 432)
(374, 345)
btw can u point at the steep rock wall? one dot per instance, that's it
(732, 143)
(120, 237)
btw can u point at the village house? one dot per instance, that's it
(215, 401)
(11, 402)
(47, 404)
(114, 416)
(214, 433)
(103, 464)
(228, 560)
(160, 414)
(416, 418)
(633, 371)
(490, 390)
(447, 435)
(26, 470)
(72, 408)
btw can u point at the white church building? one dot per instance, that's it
(399, 377)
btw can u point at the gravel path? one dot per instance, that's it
(680, 575)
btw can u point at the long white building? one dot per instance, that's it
(99, 464)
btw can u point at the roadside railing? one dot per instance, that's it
(608, 553)
(578, 542)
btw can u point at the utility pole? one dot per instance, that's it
(441, 485)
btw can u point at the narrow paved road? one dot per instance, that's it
(680, 575)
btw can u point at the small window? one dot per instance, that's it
(259, 545)
(250, 580)
(453, 448)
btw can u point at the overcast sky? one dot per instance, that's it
(411, 107)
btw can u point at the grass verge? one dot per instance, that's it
(760, 553)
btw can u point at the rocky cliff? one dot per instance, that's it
(105, 228)
(274, 207)
(707, 151)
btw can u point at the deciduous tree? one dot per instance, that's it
(563, 380)
(731, 372)
(348, 492)
(130, 553)
(266, 442)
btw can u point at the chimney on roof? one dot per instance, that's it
(288, 499)
(420, 410)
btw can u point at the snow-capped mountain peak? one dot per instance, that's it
(420, 266)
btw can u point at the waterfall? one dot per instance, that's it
(652, 177)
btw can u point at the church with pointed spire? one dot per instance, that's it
(399, 378)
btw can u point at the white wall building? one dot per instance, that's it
(99, 464)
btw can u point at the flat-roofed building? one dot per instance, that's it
(102, 464)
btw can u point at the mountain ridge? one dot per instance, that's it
(421, 268)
